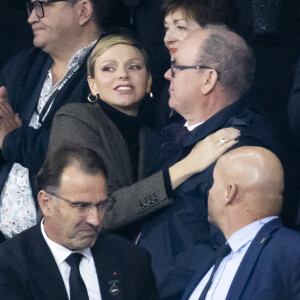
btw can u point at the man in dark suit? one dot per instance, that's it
(67, 256)
(33, 86)
(213, 69)
(263, 258)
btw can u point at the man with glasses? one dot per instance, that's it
(66, 255)
(212, 70)
(34, 85)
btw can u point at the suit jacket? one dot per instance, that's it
(269, 270)
(28, 270)
(24, 76)
(178, 233)
(88, 125)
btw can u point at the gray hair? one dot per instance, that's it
(231, 57)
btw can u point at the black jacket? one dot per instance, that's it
(24, 76)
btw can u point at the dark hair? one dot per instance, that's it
(102, 11)
(87, 160)
(201, 11)
(230, 55)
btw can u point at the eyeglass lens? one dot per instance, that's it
(37, 7)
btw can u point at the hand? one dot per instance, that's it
(211, 148)
(8, 120)
(203, 155)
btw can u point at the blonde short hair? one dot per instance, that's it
(111, 40)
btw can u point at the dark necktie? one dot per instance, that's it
(181, 135)
(224, 251)
(78, 289)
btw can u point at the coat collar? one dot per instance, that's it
(225, 116)
(240, 280)
(44, 271)
(47, 280)
(252, 255)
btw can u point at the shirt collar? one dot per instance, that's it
(246, 234)
(59, 252)
(79, 55)
(192, 127)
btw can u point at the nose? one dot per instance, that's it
(168, 75)
(169, 37)
(32, 18)
(93, 217)
(122, 73)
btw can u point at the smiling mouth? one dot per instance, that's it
(124, 88)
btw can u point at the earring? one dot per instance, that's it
(151, 95)
(92, 98)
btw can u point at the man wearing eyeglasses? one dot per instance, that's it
(34, 85)
(212, 70)
(67, 256)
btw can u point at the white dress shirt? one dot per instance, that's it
(239, 243)
(192, 127)
(86, 267)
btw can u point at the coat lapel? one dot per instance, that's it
(217, 121)
(249, 261)
(47, 282)
(198, 276)
(109, 272)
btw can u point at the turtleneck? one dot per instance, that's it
(129, 127)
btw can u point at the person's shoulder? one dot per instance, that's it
(78, 109)
(122, 247)
(19, 243)
(23, 56)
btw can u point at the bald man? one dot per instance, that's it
(263, 261)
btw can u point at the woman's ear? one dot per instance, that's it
(92, 85)
(149, 83)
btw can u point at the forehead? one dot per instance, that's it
(78, 185)
(176, 15)
(190, 48)
(121, 51)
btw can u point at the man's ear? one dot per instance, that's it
(45, 203)
(85, 11)
(231, 193)
(210, 81)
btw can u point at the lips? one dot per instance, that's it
(36, 30)
(172, 50)
(123, 88)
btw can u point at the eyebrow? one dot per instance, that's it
(89, 203)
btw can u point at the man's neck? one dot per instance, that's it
(62, 58)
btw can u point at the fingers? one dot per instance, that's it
(227, 134)
(6, 110)
(3, 93)
(224, 147)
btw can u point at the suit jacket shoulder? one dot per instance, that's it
(28, 269)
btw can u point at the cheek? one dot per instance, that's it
(103, 85)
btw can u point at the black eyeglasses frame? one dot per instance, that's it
(30, 6)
